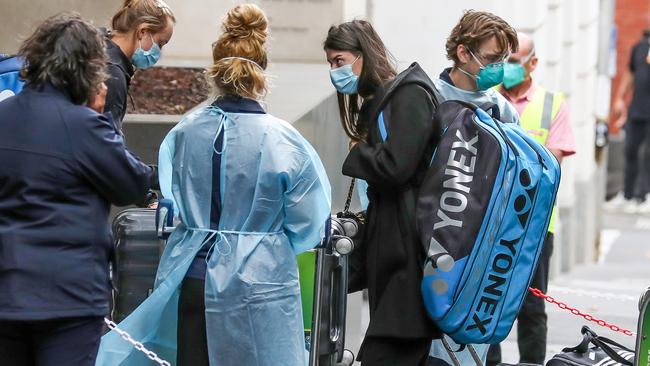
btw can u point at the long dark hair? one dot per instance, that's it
(360, 38)
(68, 53)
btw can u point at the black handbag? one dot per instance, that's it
(359, 217)
(593, 350)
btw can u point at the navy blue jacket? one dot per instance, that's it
(61, 167)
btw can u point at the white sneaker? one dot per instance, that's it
(619, 202)
(630, 207)
(644, 207)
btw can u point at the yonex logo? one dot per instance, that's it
(453, 201)
(503, 262)
(460, 170)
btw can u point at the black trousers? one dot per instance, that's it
(192, 336)
(67, 341)
(637, 133)
(532, 318)
(377, 351)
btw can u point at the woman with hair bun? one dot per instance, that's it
(251, 194)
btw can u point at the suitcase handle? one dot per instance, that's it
(340, 294)
(165, 218)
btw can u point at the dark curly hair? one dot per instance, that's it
(68, 53)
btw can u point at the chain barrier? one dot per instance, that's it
(577, 312)
(154, 357)
(593, 294)
(139, 346)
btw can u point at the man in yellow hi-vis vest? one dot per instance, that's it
(545, 116)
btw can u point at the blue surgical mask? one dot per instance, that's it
(490, 75)
(145, 59)
(345, 81)
(514, 72)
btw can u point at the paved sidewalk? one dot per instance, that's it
(623, 270)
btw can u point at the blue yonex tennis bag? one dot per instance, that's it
(482, 213)
(10, 83)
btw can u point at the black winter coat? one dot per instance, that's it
(120, 71)
(389, 262)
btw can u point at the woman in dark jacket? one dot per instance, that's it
(63, 165)
(390, 258)
(140, 29)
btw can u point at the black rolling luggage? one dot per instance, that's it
(327, 335)
(137, 251)
(139, 247)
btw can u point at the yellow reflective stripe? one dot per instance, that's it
(551, 224)
(540, 112)
(547, 111)
(558, 98)
(530, 117)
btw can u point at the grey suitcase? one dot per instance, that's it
(139, 244)
(137, 253)
(327, 338)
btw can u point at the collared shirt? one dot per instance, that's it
(445, 76)
(560, 135)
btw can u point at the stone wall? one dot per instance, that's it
(18, 19)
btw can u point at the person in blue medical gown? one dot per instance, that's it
(251, 194)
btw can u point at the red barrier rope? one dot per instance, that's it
(577, 312)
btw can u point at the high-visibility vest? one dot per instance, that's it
(536, 119)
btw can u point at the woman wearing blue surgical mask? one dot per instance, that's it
(392, 157)
(251, 194)
(140, 29)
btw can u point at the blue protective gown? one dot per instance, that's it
(275, 202)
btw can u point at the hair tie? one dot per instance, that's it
(162, 4)
(242, 59)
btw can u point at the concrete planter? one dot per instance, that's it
(145, 132)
